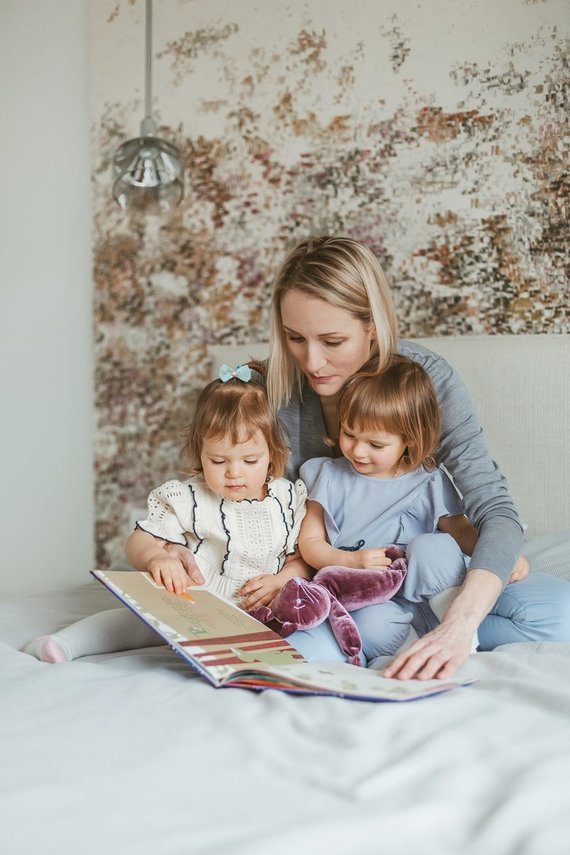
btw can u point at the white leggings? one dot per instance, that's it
(106, 632)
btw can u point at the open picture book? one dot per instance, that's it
(231, 649)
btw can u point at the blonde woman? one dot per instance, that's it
(331, 313)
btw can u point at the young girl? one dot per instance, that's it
(386, 489)
(237, 514)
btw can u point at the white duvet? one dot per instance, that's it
(133, 753)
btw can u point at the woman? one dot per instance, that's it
(331, 311)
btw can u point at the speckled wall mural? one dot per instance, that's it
(434, 130)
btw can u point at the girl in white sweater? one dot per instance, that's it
(237, 514)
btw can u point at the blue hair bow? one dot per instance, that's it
(240, 372)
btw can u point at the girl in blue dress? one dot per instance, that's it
(387, 489)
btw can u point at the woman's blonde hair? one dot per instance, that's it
(400, 400)
(344, 273)
(236, 410)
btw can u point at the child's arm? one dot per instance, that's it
(318, 552)
(187, 559)
(146, 552)
(461, 530)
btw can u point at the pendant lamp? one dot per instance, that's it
(148, 171)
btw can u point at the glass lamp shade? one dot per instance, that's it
(148, 174)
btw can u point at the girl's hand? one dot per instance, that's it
(261, 590)
(168, 571)
(186, 558)
(368, 559)
(435, 656)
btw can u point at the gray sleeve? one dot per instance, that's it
(463, 452)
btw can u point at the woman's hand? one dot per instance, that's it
(439, 653)
(186, 558)
(521, 570)
(168, 571)
(435, 656)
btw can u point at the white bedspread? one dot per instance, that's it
(133, 753)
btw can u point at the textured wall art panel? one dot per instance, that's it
(435, 130)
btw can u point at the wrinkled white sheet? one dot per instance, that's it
(133, 753)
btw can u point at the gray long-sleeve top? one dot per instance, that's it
(462, 451)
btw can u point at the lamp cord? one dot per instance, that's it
(148, 61)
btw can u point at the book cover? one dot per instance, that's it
(233, 650)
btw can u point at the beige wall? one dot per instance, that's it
(430, 129)
(46, 512)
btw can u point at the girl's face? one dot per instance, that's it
(327, 343)
(374, 453)
(236, 471)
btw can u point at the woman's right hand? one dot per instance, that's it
(369, 559)
(186, 558)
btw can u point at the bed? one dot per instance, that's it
(134, 753)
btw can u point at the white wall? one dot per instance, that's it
(46, 507)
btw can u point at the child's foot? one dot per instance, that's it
(48, 648)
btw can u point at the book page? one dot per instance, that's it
(215, 634)
(341, 679)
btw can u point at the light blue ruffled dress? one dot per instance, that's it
(362, 512)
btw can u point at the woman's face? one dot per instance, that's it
(327, 343)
